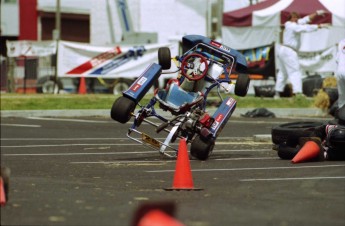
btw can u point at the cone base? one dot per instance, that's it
(183, 189)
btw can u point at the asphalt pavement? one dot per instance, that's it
(85, 171)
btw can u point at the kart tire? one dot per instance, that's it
(164, 58)
(122, 109)
(242, 85)
(46, 84)
(287, 152)
(201, 148)
(289, 133)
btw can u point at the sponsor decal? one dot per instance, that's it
(150, 140)
(220, 46)
(135, 87)
(230, 102)
(214, 125)
(141, 81)
(219, 117)
(216, 44)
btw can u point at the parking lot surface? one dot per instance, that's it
(85, 171)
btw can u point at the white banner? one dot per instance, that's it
(80, 59)
(30, 48)
(321, 61)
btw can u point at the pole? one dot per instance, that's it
(56, 36)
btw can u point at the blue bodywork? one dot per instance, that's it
(142, 84)
(189, 41)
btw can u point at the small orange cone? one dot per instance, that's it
(157, 218)
(82, 86)
(2, 193)
(183, 174)
(310, 150)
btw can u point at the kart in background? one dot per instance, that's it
(205, 65)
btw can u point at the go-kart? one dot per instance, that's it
(205, 65)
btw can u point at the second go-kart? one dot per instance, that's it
(205, 65)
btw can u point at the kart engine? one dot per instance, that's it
(198, 121)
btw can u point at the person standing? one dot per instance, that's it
(287, 53)
(340, 73)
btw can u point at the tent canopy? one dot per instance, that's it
(279, 10)
(260, 24)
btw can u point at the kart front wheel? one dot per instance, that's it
(242, 85)
(122, 109)
(164, 58)
(201, 148)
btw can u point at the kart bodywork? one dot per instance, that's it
(205, 65)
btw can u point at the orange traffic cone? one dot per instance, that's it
(157, 218)
(82, 86)
(2, 193)
(311, 150)
(183, 175)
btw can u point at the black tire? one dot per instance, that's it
(164, 58)
(311, 85)
(289, 133)
(332, 93)
(201, 148)
(242, 85)
(46, 84)
(121, 85)
(122, 109)
(287, 152)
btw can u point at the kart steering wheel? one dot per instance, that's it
(194, 67)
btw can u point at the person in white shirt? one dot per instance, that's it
(287, 53)
(340, 73)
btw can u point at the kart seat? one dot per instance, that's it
(177, 100)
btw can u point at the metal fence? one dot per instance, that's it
(23, 74)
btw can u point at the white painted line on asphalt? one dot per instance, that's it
(192, 160)
(292, 178)
(255, 168)
(67, 120)
(124, 138)
(118, 144)
(93, 153)
(125, 162)
(66, 145)
(236, 159)
(242, 150)
(122, 153)
(20, 125)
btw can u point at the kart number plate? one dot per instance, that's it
(149, 140)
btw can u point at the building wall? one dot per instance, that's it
(9, 18)
(28, 19)
(74, 27)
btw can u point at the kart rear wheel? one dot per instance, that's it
(201, 148)
(122, 109)
(242, 85)
(164, 58)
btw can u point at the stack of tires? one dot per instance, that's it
(286, 137)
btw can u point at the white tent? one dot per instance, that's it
(260, 24)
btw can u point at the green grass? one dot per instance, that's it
(105, 101)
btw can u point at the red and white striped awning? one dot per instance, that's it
(275, 12)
